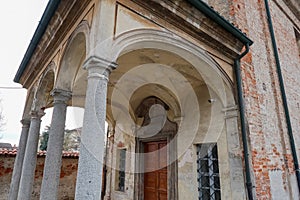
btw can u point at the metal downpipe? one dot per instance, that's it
(283, 95)
(237, 66)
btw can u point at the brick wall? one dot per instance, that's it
(67, 177)
(273, 170)
(272, 161)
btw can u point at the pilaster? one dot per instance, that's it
(235, 153)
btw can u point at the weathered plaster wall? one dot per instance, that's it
(187, 172)
(273, 170)
(6, 168)
(67, 177)
(127, 20)
(187, 177)
(122, 140)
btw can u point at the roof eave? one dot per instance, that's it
(38, 34)
(209, 12)
(53, 5)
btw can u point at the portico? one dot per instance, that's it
(163, 93)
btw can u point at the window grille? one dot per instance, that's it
(208, 172)
(121, 171)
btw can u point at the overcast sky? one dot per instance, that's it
(19, 20)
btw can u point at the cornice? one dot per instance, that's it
(187, 18)
(294, 6)
(64, 18)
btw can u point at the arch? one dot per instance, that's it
(42, 96)
(28, 103)
(216, 124)
(160, 92)
(217, 83)
(73, 57)
(151, 38)
(139, 95)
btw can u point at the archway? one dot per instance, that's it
(71, 77)
(43, 98)
(156, 63)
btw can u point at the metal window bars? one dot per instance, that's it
(122, 165)
(208, 172)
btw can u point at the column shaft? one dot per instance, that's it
(89, 178)
(29, 163)
(55, 146)
(16, 176)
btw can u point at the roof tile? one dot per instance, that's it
(13, 152)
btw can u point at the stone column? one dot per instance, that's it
(30, 156)
(16, 176)
(53, 161)
(89, 178)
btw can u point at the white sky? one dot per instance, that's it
(19, 20)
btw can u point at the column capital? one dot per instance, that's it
(25, 122)
(98, 67)
(61, 96)
(37, 114)
(230, 108)
(230, 112)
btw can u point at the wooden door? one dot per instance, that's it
(156, 171)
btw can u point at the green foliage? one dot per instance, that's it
(71, 139)
(44, 139)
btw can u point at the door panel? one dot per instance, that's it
(155, 178)
(163, 196)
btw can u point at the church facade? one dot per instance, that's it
(200, 97)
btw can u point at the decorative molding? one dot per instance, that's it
(230, 108)
(83, 28)
(98, 67)
(95, 61)
(230, 112)
(25, 123)
(185, 17)
(60, 96)
(63, 20)
(37, 114)
(168, 41)
(294, 6)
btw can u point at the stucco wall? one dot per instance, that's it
(67, 177)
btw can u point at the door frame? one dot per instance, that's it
(172, 168)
